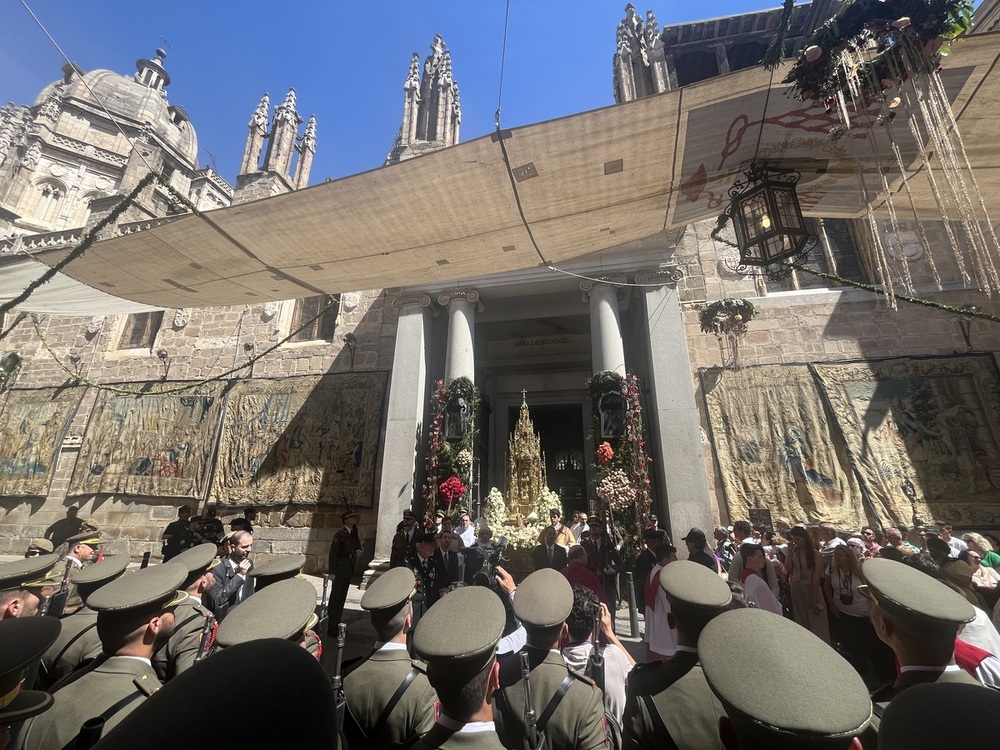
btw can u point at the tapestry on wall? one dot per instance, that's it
(304, 440)
(774, 448)
(934, 421)
(151, 445)
(32, 426)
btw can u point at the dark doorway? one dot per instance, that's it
(560, 428)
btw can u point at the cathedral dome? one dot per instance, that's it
(135, 100)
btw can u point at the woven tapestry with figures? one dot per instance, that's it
(32, 426)
(153, 445)
(933, 420)
(775, 449)
(304, 440)
(835, 442)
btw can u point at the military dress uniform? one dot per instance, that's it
(180, 650)
(543, 600)
(112, 686)
(911, 595)
(371, 686)
(343, 551)
(456, 655)
(669, 704)
(78, 642)
(24, 639)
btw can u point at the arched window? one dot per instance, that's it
(81, 212)
(43, 202)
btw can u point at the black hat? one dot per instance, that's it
(544, 599)
(184, 508)
(423, 538)
(694, 535)
(91, 538)
(305, 713)
(278, 569)
(13, 575)
(408, 513)
(595, 521)
(282, 610)
(146, 587)
(913, 718)
(24, 639)
(783, 707)
(347, 514)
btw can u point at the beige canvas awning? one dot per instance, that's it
(585, 183)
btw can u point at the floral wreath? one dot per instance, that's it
(927, 23)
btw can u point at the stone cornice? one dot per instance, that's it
(401, 300)
(668, 274)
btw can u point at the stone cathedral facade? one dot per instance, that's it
(63, 166)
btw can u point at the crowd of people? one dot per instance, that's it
(884, 623)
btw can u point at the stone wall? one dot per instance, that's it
(208, 343)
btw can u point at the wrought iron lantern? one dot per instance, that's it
(770, 230)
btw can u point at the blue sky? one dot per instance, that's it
(347, 61)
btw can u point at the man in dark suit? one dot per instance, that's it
(402, 542)
(603, 558)
(548, 554)
(344, 551)
(447, 561)
(421, 562)
(233, 583)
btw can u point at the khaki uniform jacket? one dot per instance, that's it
(77, 644)
(441, 736)
(90, 695)
(686, 705)
(178, 652)
(369, 687)
(578, 721)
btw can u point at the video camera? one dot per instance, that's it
(491, 556)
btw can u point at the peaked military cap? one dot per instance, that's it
(278, 569)
(781, 707)
(347, 514)
(544, 599)
(301, 717)
(907, 592)
(92, 538)
(144, 588)
(41, 546)
(914, 718)
(282, 610)
(390, 591)
(695, 535)
(448, 636)
(408, 513)
(100, 573)
(196, 559)
(13, 575)
(595, 521)
(692, 587)
(24, 639)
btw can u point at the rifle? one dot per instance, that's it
(322, 623)
(595, 662)
(534, 740)
(58, 603)
(207, 637)
(145, 560)
(337, 683)
(46, 603)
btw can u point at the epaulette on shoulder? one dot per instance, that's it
(419, 665)
(583, 678)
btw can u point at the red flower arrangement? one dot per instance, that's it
(605, 453)
(451, 490)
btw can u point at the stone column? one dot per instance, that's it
(607, 349)
(674, 419)
(460, 358)
(404, 422)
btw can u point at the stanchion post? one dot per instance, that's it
(633, 615)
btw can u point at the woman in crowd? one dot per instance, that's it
(856, 635)
(982, 547)
(755, 585)
(805, 569)
(984, 580)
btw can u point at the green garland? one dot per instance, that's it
(726, 316)
(815, 74)
(776, 51)
(441, 459)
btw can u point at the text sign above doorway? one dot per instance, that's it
(546, 345)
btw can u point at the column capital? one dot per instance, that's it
(470, 295)
(401, 300)
(611, 280)
(668, 274)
